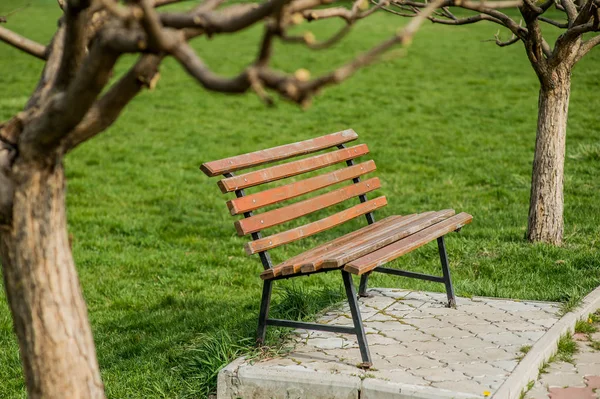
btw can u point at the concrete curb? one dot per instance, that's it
(240, 380)
(527, 370)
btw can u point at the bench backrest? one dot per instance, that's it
(246, 204)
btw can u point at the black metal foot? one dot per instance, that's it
(359, 330)
(446, 271)
(265, 303)
(362, 288)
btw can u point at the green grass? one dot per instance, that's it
(171, 294)
(567, 347)
(585, 327)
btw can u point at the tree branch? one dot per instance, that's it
(562, 25)
(106, 110)
(489, 12)
(64, 110)
(586, 47)
(228, 20)
(570, 10)
(75, 41)
(294, 88)
(22, 43)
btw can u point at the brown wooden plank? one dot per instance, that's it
(279, 153)
(316, 262)
(302, 208)
(399, 248)
(293, 190)
(346, 255)
(276, 271)
(318, 226)
(290, 169)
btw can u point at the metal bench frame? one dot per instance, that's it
(358, 328)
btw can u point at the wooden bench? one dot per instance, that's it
(360, 252)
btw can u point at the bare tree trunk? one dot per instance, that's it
(48, 309)
(547, 200)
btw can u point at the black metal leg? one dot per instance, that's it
(362, 288)
(358, 326)
(446, 271)
(265, 302)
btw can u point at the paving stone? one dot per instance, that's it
(407, 304)
(501, 317)
(298, 356)
(538, 391)
(492, 382)
(414, 362)
(397, 294)
(562, 380)
(326, 343)
(450, 332)
(377, 302)
(498, 354)
(419, 314)
(466, 319)
(571, 393)
(439, 374)
(587, 358)
(481, 309)
(425, 323)
(504, 339)
(511, 306)
(546, 323)
(593, 381)
(341, 321)
(506, 365)
(483, 328)
(532, 335)
(453, 357)
(378, 339)
(409, 336)
(430, 347)
(380, 316)
(400, 375)
(387, 325)
(589, 369)
(537, 315)
(471, 343)
(561, 367)
(442, 311)
(466, 386)
(333, 368)
(479, 369)
(394, 350)
(595, 336)
(519, 326)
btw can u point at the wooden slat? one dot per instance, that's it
(310, 229)
(293, 190)
(291, 212)
(298, 259)
(399, 248)
(279, 153)
(290, 169)
(316, 262)
(346, 255)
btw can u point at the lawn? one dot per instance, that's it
(172, 295)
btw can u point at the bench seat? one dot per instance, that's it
(373, 245)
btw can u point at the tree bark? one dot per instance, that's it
(547, 200)
(45, 298)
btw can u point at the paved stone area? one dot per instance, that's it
(416, 341)
(579, 379)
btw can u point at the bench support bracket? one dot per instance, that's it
(446, 279)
